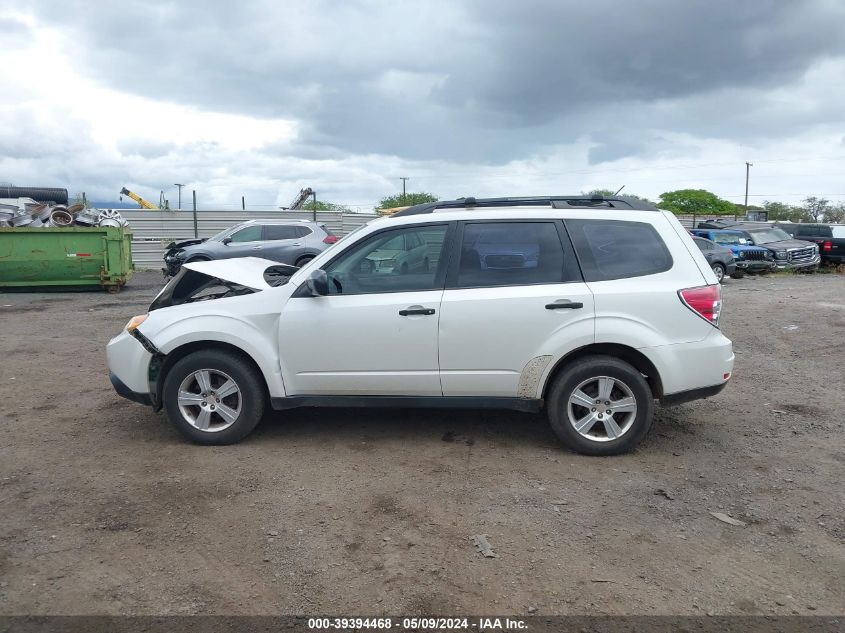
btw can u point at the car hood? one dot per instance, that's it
(244, 271)
(787, 244)
(184, 243)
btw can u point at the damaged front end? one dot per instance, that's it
(206, 281)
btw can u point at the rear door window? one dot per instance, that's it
(704, 245)
(280, 232)
(512, 254)
(610, 249)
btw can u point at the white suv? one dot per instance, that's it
(589, 308)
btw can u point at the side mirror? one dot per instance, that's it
(226, 241)
(318, 283)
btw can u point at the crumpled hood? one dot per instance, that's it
(244, 271)
(184, 243)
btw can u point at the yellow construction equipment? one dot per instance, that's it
(145, 204)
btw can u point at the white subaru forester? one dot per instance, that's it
(589, 308)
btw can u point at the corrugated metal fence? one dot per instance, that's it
(153, 230)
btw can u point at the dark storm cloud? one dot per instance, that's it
(480, 81)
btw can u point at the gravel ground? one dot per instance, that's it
(105, 510)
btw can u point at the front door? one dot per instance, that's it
(515, 298)
(375, 333)
(246, 242)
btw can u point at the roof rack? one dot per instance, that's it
(556, 202)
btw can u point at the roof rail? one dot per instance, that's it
(556, 202)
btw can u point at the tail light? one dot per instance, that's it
(827, 246)
(705, 301)
(330, 239)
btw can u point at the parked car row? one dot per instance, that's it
(796, 246)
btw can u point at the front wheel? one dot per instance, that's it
(303, 260)
(600, 405)
(719, 271)
(738, 274)
(213, 397)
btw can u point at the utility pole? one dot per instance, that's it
(196, 231)
(314, 199)
(180, 185)
(404, 179)
(747, 174)
(243, 204)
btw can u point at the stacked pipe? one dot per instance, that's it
(19, 212)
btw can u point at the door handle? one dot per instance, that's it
(256, 248)
(410, 311)
(564, 305)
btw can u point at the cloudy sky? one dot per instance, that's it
(493, 97)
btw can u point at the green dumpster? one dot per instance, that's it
(72, 256)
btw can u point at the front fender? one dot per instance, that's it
(255, 336)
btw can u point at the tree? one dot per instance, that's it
(835, 213)
(783, 211)
(816, 207)
(607, 193)
(322, 205)
(409, 199)
(695, 202)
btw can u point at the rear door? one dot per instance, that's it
(514, 297)
(281, 242)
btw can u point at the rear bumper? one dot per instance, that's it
(692, 394)
(694, 366)
(833, 259)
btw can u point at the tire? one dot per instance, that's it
(243, 409)
(198, 258)
(719, 271)
(303, 260)
(738, 274)
(587, 375)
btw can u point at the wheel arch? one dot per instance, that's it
(623, 352)
(160, 369)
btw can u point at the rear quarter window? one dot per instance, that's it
(610, 249)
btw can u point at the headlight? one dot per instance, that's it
(781, 254)
(135, 321)
(740, 255)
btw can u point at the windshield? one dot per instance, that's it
(769, 235)
(729, 238)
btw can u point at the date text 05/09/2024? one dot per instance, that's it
(418, 624)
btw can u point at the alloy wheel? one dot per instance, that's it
(602, 408)
(209, 400)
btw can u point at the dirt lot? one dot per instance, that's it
(104, 509)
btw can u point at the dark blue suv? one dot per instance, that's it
(749, 258)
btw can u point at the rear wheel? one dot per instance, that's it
(213, 397)
(600, 406)
(719, 271)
